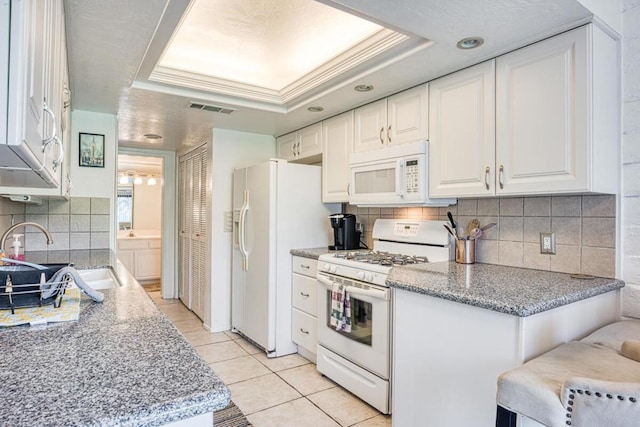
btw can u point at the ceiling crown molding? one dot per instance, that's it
(367, 50)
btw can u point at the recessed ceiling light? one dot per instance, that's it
(470, 42)
(152, 136)
(315, 109)
(363, 88)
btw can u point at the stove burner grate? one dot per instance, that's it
(382, 258)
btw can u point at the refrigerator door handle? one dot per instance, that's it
(241, 230)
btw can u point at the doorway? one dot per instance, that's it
(145, 202)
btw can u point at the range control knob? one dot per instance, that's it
(325, 267)
(361, 275)
(369, 277)
(333, 268)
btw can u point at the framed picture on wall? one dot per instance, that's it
(91, 150)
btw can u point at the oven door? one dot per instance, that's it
(368, 343)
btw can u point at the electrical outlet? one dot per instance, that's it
(548, 243)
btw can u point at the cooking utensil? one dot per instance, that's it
(453, 223)
(488, 226)
(450, 230)
(475, 234)
(473, 224)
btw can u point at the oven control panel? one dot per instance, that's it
(406, 229)
(355, 273)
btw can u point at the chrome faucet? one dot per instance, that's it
(22, 224)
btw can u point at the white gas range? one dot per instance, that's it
(359, 358)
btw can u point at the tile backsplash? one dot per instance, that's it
(584, 226)
(78, 223)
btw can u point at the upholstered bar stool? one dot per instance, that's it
(586, 383)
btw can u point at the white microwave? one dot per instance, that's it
(392, 176)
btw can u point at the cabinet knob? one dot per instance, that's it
(486, 177)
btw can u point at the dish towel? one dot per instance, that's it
(340, 308)
(68, 310)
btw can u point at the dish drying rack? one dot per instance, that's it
(25, 295)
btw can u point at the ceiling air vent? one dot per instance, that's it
(209, 107)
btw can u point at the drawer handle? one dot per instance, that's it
(304, 331)
(304, 295)
(306, 267)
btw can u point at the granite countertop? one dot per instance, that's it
(313, 253)
(122, 363)
(517, 291)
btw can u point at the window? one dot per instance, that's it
(125, 207)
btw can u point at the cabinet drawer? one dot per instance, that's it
(303, 330)
(132, 244)
(305, 266)
(304, 293)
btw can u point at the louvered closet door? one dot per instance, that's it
(185, 211)
(199, 234)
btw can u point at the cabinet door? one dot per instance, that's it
(148, 264)
(370, 123)
(126, 258)
(185, 201)
(407, 116)
(309, 141)
(286, 146)
(38, 41)
(542, 112)
(462, 133)
(337, 142)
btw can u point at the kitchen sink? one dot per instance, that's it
(100, 278)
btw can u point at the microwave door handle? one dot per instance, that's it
(400, 177)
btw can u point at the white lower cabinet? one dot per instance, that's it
(142, 257)
(304, 315)
(447, 356)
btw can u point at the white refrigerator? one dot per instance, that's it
(276, 207)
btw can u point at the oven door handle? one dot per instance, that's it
(353, 290)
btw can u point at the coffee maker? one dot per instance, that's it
(345, 235)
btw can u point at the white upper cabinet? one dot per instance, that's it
(337, 142)
(286, 146)
(395, 120)
(556, 121)
(557, 115)
(33, 46)
(462, 133)
(302, 145)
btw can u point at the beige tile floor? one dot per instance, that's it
(285, 391)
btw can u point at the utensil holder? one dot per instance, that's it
(465, 251)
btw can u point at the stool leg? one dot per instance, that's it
(505, 418)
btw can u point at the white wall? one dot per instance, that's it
(95, 182)
(147, 207)
(608, 11)
(231, 150)
(631, 158)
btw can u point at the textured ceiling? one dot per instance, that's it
(109, 41)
